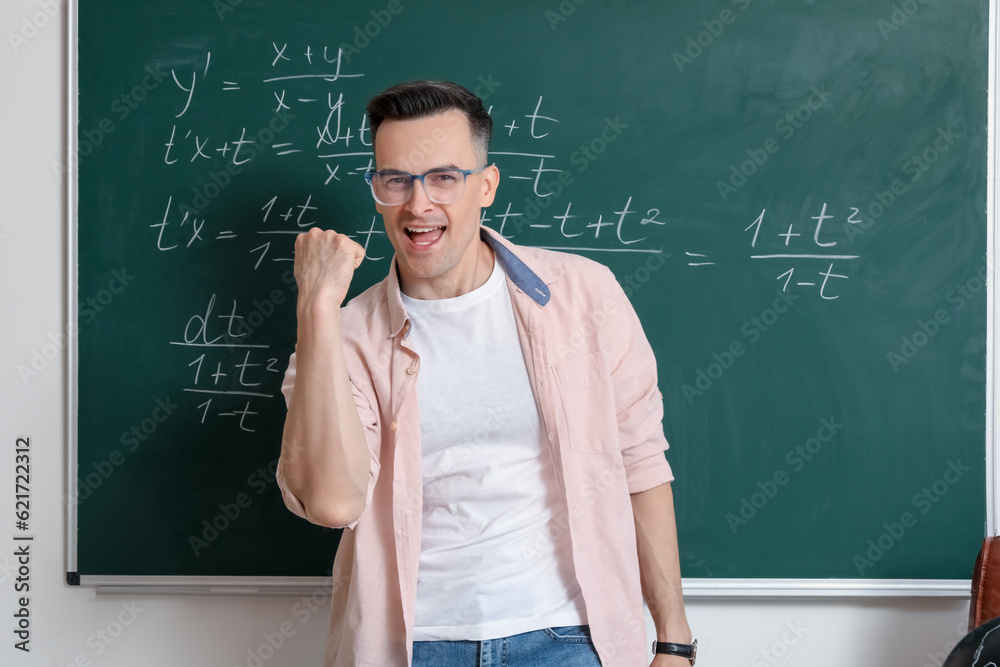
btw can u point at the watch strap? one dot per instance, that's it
(689, 651)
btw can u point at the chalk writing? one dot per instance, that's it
(232, 371)
(314, 89)
(825, 279)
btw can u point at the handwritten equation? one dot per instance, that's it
(230, 371)
(317, 124)
(819, 254)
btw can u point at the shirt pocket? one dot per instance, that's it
(586, 398)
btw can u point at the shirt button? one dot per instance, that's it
(412, 370)
(392, 426)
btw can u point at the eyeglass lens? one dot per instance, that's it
(443, 186)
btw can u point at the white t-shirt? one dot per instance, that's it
(495, 555)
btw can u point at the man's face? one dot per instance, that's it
(437, 245)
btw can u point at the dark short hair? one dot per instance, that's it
(419, 99)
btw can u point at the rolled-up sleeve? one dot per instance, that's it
(638, 402)
(369, 420)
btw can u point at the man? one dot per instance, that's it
(485, 422)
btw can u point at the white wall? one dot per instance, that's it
(219, 631)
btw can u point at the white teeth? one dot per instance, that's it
(418, 230)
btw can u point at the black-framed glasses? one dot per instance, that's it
(392, 187)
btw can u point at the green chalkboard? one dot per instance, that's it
(792, 193)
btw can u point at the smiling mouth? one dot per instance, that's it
(424, 235)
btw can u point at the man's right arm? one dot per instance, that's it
(325, 459)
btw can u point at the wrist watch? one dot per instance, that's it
(689, 651)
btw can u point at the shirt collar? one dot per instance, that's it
(523, 277)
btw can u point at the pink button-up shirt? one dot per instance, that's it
(593, 376)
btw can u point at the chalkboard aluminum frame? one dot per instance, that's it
(700, 588)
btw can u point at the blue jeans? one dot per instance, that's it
(569, 646)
